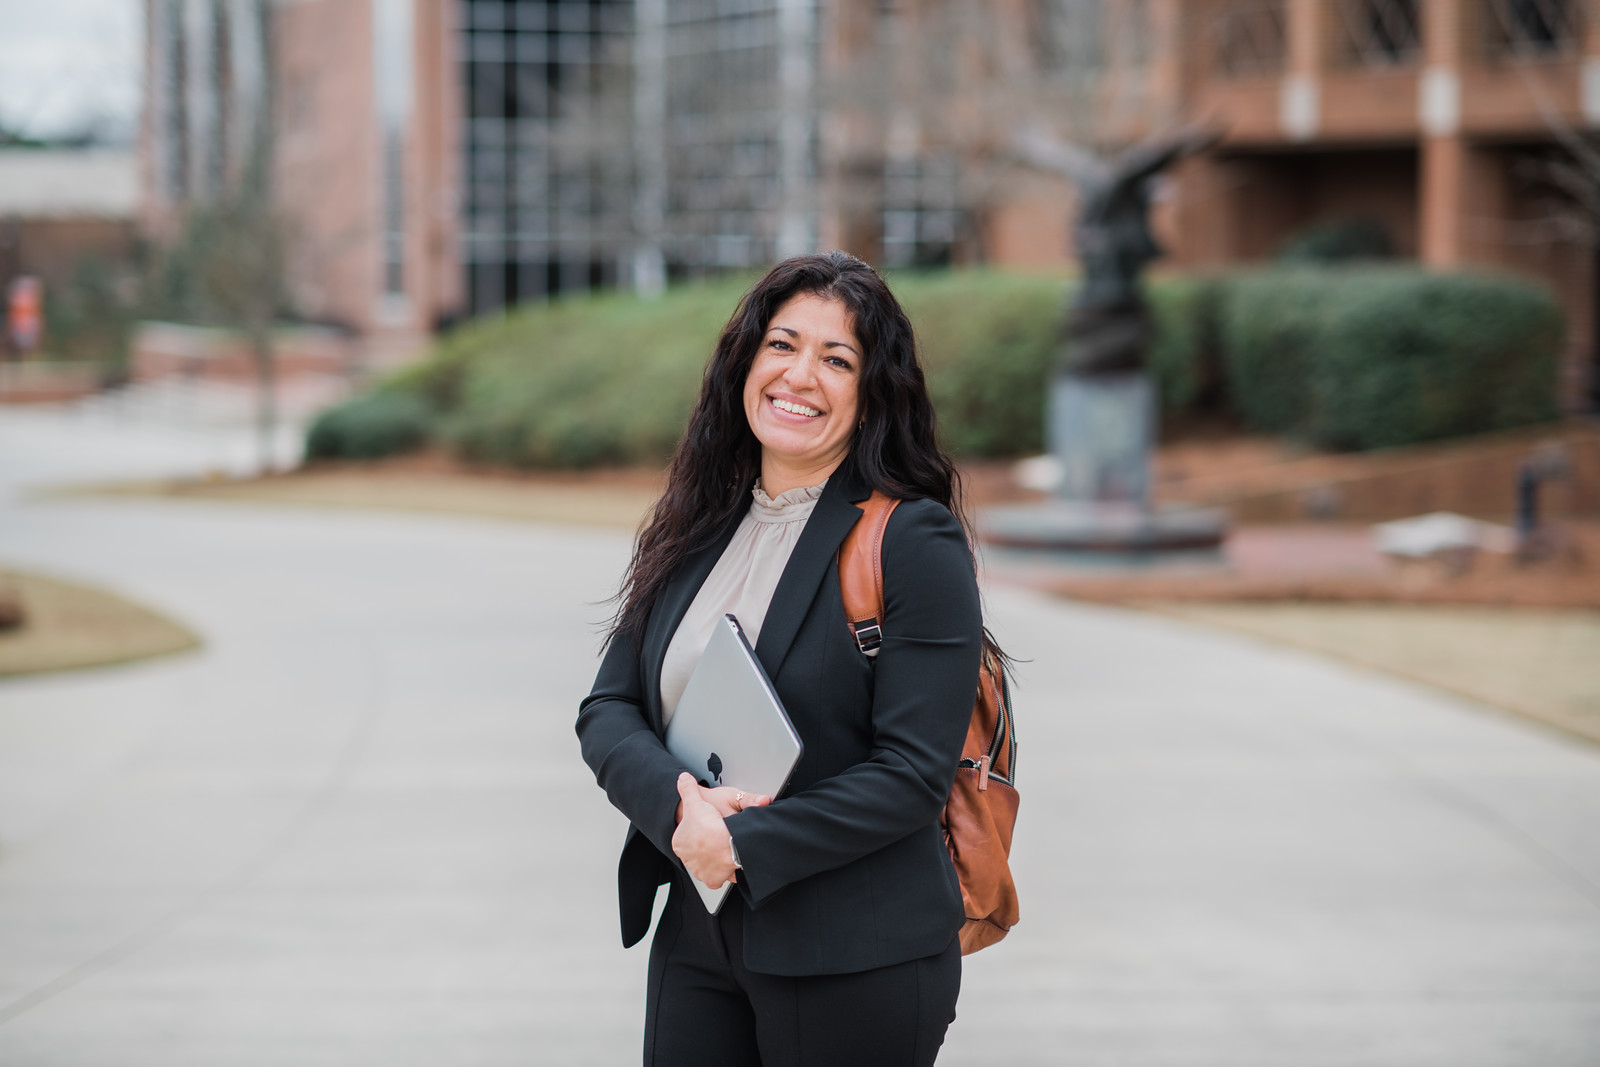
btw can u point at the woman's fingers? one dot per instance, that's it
(688, 788)
(701, 840)
(728, 800)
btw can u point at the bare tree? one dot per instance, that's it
(1565, 179)
(237, 242)
(933, 93)
(227, 260)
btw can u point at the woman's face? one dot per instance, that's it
(801, 393)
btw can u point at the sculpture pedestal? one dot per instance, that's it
(1102, 527)
(1102, 430)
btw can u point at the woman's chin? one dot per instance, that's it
(800, 455)
(789, 441)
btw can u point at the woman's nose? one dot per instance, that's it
(800, 373)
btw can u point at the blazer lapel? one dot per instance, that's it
(670, 607)
(825, 531)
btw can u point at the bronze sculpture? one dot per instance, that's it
(1108, 325)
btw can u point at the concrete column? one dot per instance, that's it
(1590, 31)
(1443, 164)
(1306, 24)
(649, 146)
(1167, 76)
(797, 27)
(440, 113)
(200, 101)
(1442, 167)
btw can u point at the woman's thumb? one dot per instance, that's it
(688, 789)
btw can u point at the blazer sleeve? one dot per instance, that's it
(924, 682)
(629, 761)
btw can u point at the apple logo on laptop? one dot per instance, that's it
(714, 765)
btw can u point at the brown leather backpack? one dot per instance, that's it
(982, 807)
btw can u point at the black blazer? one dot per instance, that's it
(847, 869)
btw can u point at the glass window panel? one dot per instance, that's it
(486, 14)
(532, 16)
(572, 17)
(531, 48)
(487, 47)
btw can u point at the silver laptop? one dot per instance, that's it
(730, 727)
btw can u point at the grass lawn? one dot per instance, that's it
(599, 498)
(68, 626)
(1543, 664)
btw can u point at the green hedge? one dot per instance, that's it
(1348, 358)
(378, 424)
(988, 342)
(1388, 356)
(586, 381)
(1184, 351)
(1267, 327)
(1338, 241)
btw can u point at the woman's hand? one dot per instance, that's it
(701, 839)
(728, 800)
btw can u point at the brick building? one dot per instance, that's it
(360, 100)
(1450, 122)
(445, 157)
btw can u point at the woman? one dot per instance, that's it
(840, 944)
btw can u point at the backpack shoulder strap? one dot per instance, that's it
(861, 571)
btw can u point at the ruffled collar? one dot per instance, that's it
(787, 506)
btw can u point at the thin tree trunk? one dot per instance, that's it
(266, 395)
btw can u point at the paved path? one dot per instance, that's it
(354, 828)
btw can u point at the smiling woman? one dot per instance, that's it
(801, 397)
(840, 944)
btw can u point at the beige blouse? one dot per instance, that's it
(741, 582)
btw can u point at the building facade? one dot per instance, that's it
(353, 107)
(1464, 128)
(449, 157)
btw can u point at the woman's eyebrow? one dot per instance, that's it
(826, 344)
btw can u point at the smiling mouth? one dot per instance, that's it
(795, 409)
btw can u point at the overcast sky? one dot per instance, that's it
(64, 63)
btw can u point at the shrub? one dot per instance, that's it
(90, 318)
(611, 379)
(991, 341)
(1268, 325)
(1340, 241)
(1405, 356)
(1350, 358)
(378, 424)
(1184, 351)
(988, 344)
(1388, 356)
(584, 381)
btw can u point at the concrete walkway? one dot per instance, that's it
(355, 829)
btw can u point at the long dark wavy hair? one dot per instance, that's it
(717, 461)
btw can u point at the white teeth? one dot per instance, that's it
(795, 409)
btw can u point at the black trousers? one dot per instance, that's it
(704, 1008)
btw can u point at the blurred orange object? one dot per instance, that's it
(24, 302)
